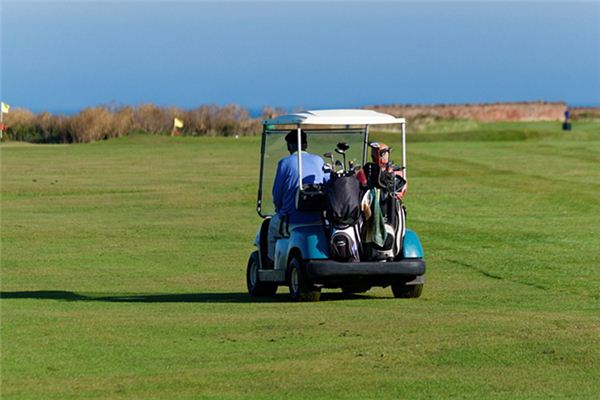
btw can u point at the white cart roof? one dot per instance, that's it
(335, 117)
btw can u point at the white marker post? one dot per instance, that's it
(3, 109)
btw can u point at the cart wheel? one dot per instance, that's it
(403, 291)
(255, 286)
(300, 287)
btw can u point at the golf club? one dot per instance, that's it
(339, 164)
(343, 153)
(341, 148)
(330, 156)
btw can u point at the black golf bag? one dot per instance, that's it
(342, 207)
(383, 233)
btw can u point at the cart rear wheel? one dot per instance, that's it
(404, 291)
(255, 286)
(301, 289)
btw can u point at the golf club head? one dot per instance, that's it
(343, 146)
(330, 156)
(339, 151)
(338, 164)
(327, 168)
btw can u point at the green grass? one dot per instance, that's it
(123, 269)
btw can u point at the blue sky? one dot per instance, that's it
(62, 56)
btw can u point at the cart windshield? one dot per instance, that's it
(320, 141)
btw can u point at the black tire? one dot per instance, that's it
(301, 289)
(256, 288)
(403, 291)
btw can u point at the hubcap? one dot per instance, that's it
(253, 274)
(294, 280)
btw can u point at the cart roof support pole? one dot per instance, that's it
(404, 148)
(262, 168)
(299, 135)
(365, 144)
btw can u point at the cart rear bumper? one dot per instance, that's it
(323, 270)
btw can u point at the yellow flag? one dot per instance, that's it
(5, 107)
(177, 123)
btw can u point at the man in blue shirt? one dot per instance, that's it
(286, 186)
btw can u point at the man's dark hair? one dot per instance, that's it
(292, 140)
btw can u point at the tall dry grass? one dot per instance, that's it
(104, 122)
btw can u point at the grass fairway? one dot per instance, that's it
(123, 275)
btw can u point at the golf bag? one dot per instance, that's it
(389, 245)
(344, 242)
(395, 216)
(383, 233)
(342, 208)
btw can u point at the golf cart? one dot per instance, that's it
(303, 260)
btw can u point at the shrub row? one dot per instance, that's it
(99, 123)
(104, 122)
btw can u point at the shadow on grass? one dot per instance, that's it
(240, 297)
